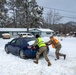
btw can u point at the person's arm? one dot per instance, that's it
(48, 43)
(35, 43)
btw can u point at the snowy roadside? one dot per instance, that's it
(13, 65)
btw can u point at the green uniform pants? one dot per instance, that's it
(57, 51)
(42, 50)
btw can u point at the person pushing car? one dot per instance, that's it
(56, 44)
(42, 49)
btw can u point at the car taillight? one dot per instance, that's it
(34, 48)
(46, 46)
(28, 47)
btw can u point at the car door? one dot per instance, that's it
(15, 46)
(11, 46)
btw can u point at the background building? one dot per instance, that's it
(14, 31)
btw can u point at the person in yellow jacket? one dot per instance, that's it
(42, 49)
(56, 44)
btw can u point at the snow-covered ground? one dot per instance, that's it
(13, 65)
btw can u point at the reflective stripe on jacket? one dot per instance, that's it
(41, 43)
(55, 41)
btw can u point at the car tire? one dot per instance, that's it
(21, 54)
(6, 50)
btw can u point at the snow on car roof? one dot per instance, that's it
(41, 29)
(6, 34)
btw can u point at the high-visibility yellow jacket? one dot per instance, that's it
(40, 42)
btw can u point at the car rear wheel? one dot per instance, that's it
(6, 50)
(21, 54)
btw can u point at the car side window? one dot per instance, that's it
(13, 41)
(18, 42)
(24, 34)
(29, 34)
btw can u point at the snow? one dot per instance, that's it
(23, 29)
(13, 65)
(13, 29)
(44, 30)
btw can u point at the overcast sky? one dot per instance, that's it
(67, 5)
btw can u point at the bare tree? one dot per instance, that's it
(53, 17)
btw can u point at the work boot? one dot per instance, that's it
(64, 57)
(57, 59)
(49, 64)
(36, 62)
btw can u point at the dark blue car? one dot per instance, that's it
(20, 47)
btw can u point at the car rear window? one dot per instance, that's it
(29, 39)
(18, 42)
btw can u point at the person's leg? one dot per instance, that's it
(45, 56)
(64, 55)
(37, 55)
(59, 54)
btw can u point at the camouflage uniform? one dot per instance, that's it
(41, 50)
(57, 47)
